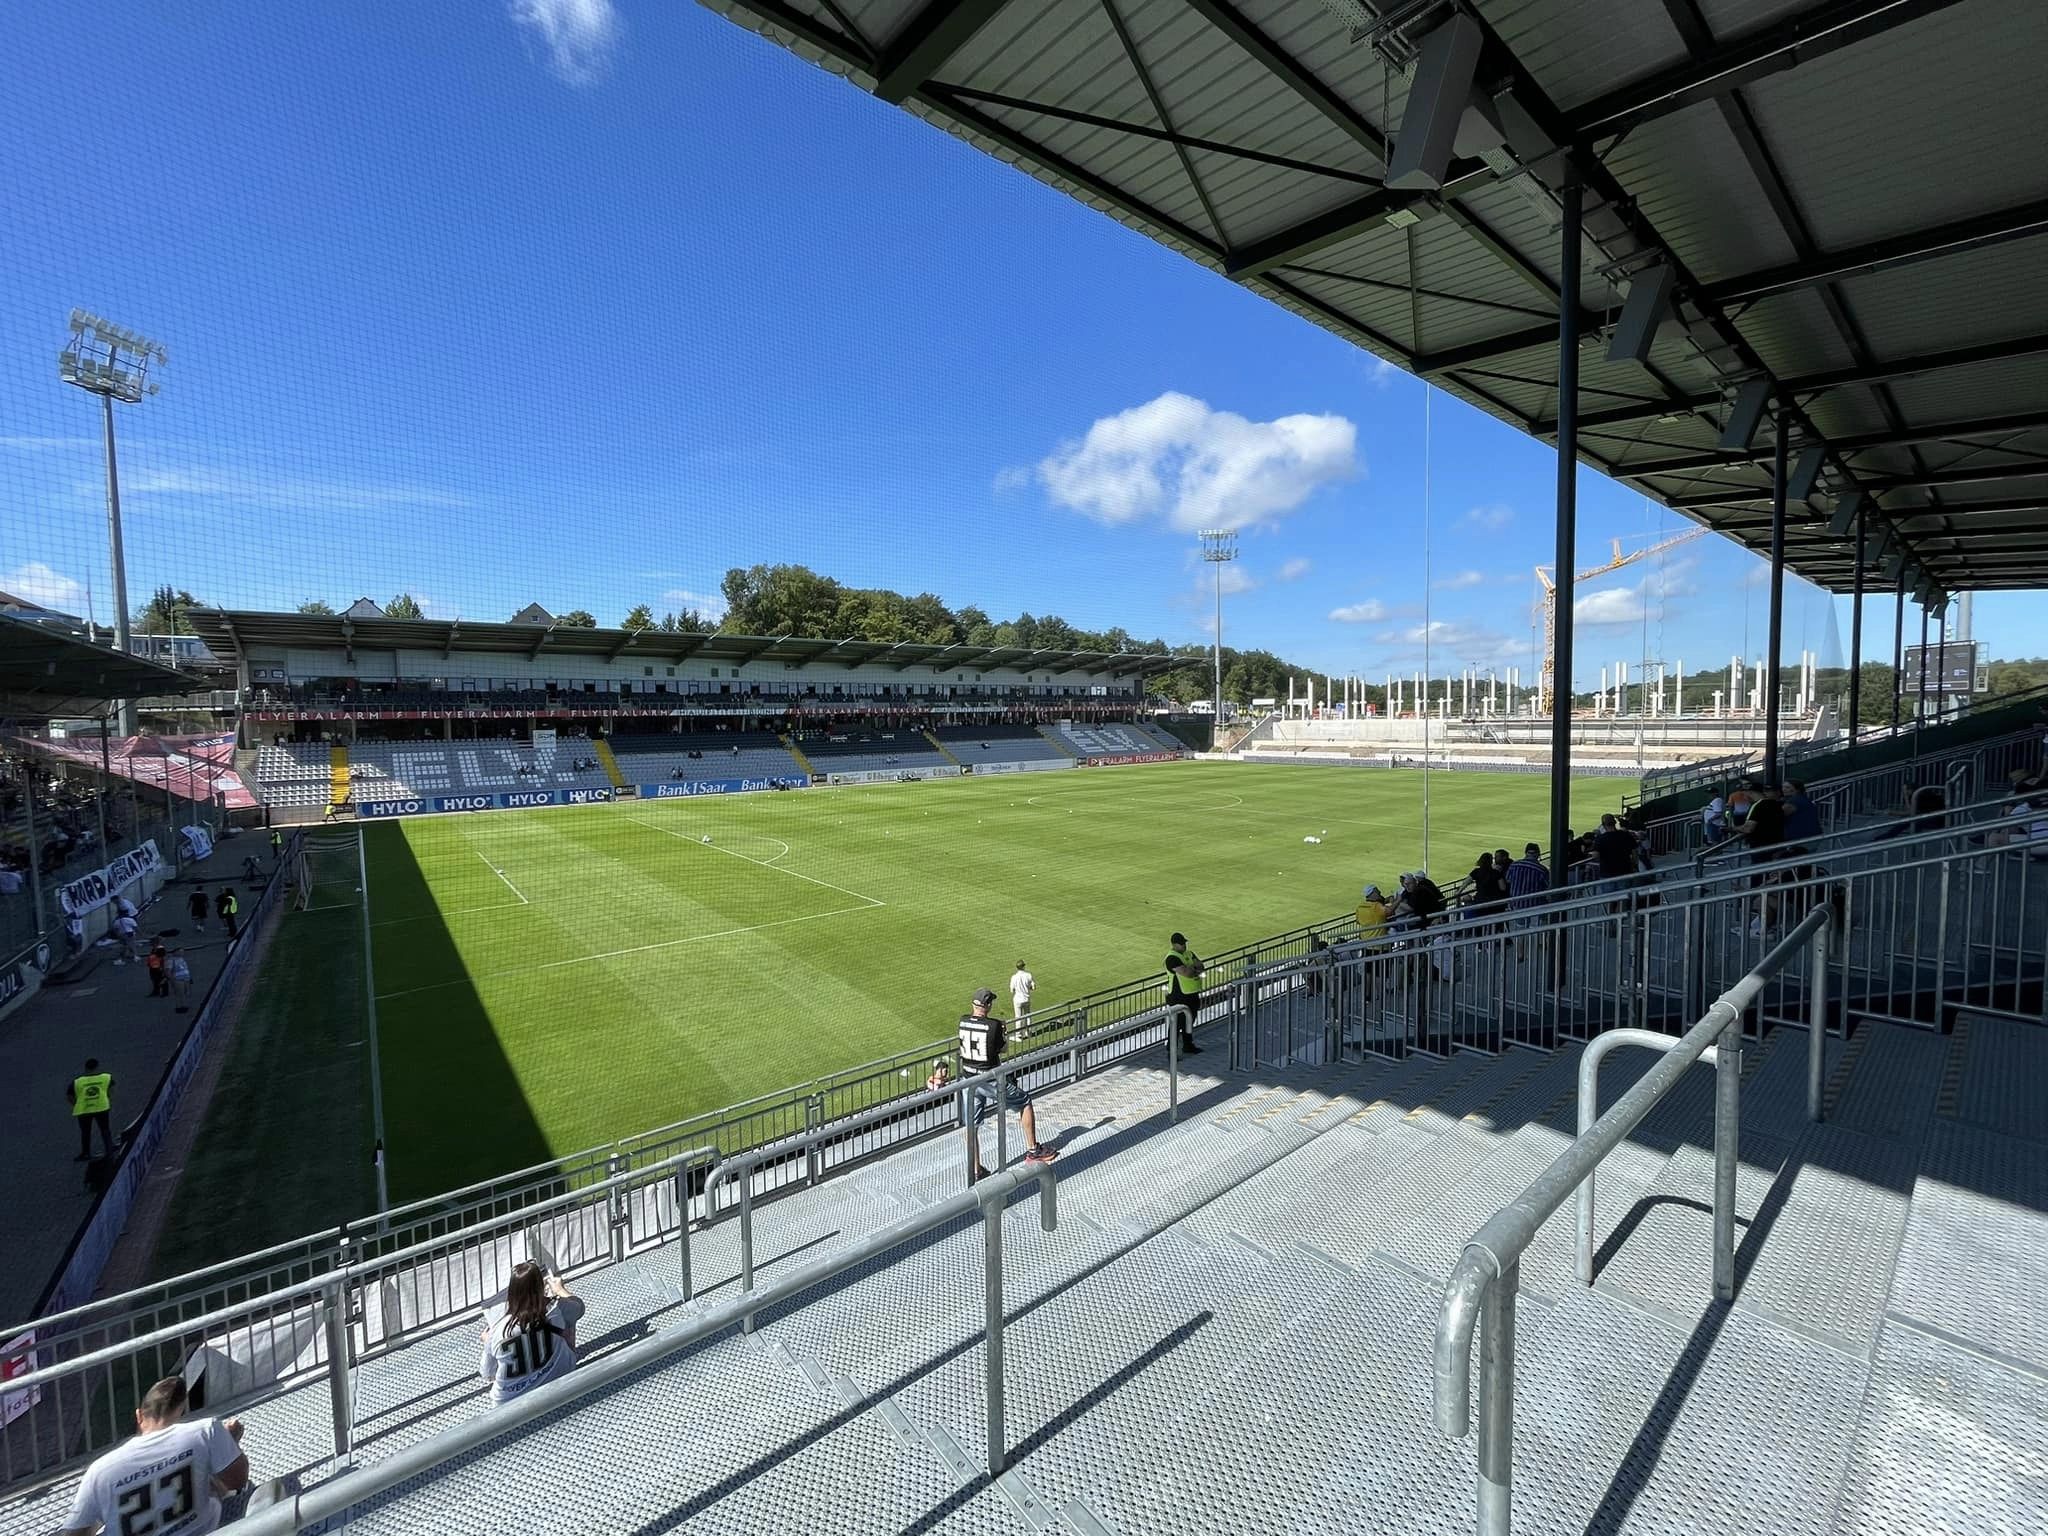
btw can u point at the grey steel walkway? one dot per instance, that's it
(1230, 1332)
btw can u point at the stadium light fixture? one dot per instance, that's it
(114, 363)
(1219, 548)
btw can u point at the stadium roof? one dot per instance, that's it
(228, 633)
(1848, 197)
(48, 668)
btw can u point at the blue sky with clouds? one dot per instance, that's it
(584, 301)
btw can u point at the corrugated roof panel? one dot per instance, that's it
(1991, 389)
(1067, 54)
(1145, 170)
(1382, 312)
(1310, 34)
(1848, 413)
(2015, 446)
(1794, 334)
(1381, 252)
(1957, 301)
(1691, 181)
(1578, 52)
(1732, 19)
(878, 20)
(1933, 121)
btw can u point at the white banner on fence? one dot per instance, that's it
(1035, 765)
(18, 1358)
(893, 775)
(88, 893)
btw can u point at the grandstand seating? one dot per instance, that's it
(1117, 740)
(652, 759)
(1247, 1298)
(404, 770)
(997, 744)
(295, 773)
(870, 751)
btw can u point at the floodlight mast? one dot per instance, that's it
(1219, 548)
(112, 362)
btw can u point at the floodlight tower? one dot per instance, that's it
(112, 362)
(1219, 548)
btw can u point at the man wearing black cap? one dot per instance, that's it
(982, 1042)
(1184, 991)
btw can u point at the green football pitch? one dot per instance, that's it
(549, 980)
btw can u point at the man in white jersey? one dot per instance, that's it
(167, 1481)
(1022, 984)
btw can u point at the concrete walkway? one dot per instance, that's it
(104, 1009)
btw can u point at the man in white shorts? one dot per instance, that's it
(169, 1480)
(1022, 985)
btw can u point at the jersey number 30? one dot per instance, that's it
(140, 1513)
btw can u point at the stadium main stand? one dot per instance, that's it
(876, 751)
(651, 759)
(1112, 740)
(997, 744)
(385, 770)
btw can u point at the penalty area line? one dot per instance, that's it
(637, 949)
(873, 901)
(501, 875)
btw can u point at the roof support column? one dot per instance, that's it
(1920, 699)
(1777, 635)
(1572, 196)
(1941, 663)
(1856, 633)
(1898, 646)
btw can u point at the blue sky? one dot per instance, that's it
(584, 301)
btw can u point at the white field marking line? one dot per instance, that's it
(872, 901)
(637, 949)
(784, 846)
(501, 875)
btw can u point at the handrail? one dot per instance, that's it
(339, 1494)
(1976, 814)
(337, 1279)
(1487, 1275)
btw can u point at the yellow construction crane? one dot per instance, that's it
(1549, 676)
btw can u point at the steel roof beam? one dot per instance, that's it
(1780, 46)
(1359, 216)
(1277, 62)
(1840, 378)
(1989, 426)
(931, 36)
(1950, 239)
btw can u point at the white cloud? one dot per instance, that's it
(1174, 457)
(37, 583)
(580, 36)
(1379, 373)
(280, 491)
(1371, 611)
(1296, 568)
(46, 444)
(1757, 576)
(1235, 579)
(1622, 605)
(1451, 641)
(1490, 518)
(1012, 477)
(1459, 581)
(709, 604)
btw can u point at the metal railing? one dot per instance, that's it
(339, 1494)
(1483, 1284)
(326, 1324)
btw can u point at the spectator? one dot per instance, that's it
(1802, 816)
(10, 879)
(181, 978)
(1763, 829)
(1501, 860)
(1614, 850)
(124, 934)
(982, 1043)
(169, 1480)
(1022, 985)
(1527, 879)
(1927, 807)
(1489, 887)
(159, 977)
(91, 1096)
(225, 907)
(939, 1076)
(1184, 991)
(196, 904)
(534, 1342)
(1420, 900)
(1373, 913)
(276, 843)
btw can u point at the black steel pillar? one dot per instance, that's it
(1941, 662)
(1572, 196)
(1898, 647)
(1779, 469)
(1856, 634)
(1920, 693)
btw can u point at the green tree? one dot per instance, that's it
(641, 617)
(404, 606)
(578, 618)
(688, 622)
(318, 608)
(164, 613)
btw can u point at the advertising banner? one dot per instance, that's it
(681, 789)
(88, 893)
(543, 736)
(509, 800)
(893, 775)
(1034, 765)
(17, 1358)
(1130, 757)
(13, 982)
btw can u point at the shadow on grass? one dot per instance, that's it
(454, 1111)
